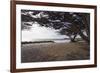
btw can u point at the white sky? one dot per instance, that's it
(41, 33)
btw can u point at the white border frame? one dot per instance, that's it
(20, 65)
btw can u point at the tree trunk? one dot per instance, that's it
(84, 37)
(73, 38)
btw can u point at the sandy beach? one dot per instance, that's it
(42, 52)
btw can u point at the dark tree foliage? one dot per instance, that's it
(69, 23)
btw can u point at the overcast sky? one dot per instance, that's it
(38, 32)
